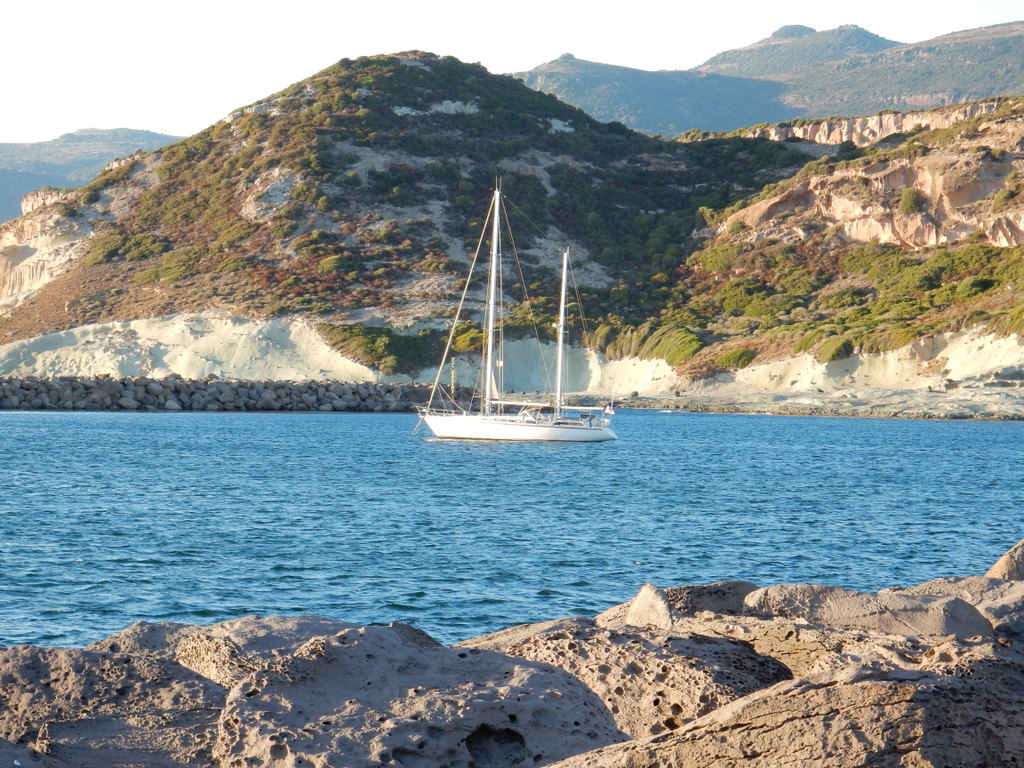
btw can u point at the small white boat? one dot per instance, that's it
(499, 417)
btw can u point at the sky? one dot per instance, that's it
(177, 67)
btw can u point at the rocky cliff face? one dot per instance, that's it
(36, 248)
(958, 183)
(957, 186)
(43, 197)
(864, 131)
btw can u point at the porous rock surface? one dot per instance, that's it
(96, 708)
(962, 707)
(226, 652)
(892, 612)
(650, 681)
(368, 696)
(1000, 601)
(715, 675)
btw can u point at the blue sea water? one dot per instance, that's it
(108, 518)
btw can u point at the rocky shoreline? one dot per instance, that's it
(712, 675)
(966, 404)
(102, 393)
(174, 393)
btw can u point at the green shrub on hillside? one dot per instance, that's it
(144, 246)
(736, 295)
(718, 258)
(104, 247)
(113, 246)
(808, 340)
(468, 340)
(834, 348)
(849, 297)
(973, 286)
(382, 348)
(648, 341)
(233, 264)
(912, 200)
(1008, 323)
(735, 359)
(1002, 197)
(339, 262)
(175, 265)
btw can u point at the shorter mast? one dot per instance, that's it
(560, 349)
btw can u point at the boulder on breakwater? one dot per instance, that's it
(711, 675)
(73, 393)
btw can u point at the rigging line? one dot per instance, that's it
(526, 296)
(584, 321)
(529, 221)
(458, 314)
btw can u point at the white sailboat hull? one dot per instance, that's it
(545, 421)
(476, 426)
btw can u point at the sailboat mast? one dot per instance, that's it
(560, 351)
(492, 302)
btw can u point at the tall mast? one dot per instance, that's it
(492, 301)
(560, 351)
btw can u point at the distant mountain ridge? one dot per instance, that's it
(795, 73)
(67, 161)
(667, 103)
(793, 47)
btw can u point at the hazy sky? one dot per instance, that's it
(176, 67)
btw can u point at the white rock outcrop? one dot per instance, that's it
(200, 344)
(864, 131)
(191, 345)
(35, 249)
(41, 198)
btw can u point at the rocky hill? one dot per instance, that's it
(795, 73)
(897, 266)
(351, 201)
(714, 675)
(324, 233)
(68, 161)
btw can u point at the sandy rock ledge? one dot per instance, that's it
(709, 675)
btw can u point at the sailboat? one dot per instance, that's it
(499, 417)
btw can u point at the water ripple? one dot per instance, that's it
(111, 518)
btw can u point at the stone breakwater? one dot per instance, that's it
(713, 675)
(177, 394)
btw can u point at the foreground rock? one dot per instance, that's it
(650, 681)
(961, 706)
(372, 696)
(712, 675)
(96, 708)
